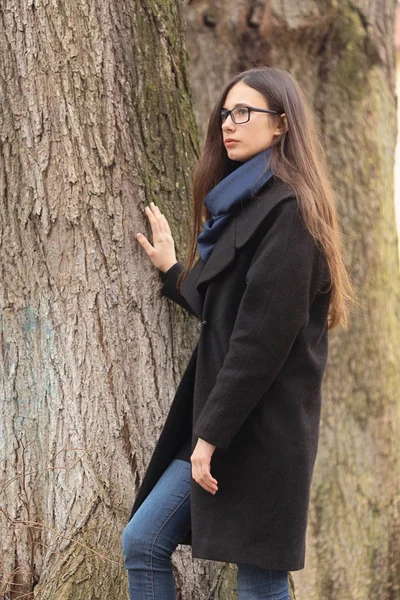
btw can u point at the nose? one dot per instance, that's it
(228, 124)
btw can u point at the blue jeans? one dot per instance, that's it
(153, 533)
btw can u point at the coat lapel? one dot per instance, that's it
(221, 256)
(240, 229)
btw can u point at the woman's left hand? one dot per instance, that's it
(201, 459)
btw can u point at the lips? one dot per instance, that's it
(230, 141)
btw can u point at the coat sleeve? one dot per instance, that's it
(170, 287)
(281, 282)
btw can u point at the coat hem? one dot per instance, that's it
(235, 555)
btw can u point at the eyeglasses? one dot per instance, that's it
(241, 114)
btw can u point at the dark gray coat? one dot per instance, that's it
(252, 386)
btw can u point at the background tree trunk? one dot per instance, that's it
(96, 121)
(343, 56)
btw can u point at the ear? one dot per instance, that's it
(282, 126)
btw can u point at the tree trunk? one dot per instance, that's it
(343, 56)
(96, 121)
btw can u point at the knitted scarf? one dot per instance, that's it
(228, 196)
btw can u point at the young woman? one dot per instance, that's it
(232, 468)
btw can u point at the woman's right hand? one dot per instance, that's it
(162, 253)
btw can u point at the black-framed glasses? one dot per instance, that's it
(241, 114)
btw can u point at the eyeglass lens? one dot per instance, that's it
(238, 115)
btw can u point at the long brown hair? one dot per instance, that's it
(297, 159)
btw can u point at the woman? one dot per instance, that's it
(231, 471)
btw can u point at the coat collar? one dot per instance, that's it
(240, 229)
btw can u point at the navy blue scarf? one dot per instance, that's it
(228, 195)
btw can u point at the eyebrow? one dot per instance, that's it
(236, 105)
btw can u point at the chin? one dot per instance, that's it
(237, 155)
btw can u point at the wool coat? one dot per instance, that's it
(252, 386)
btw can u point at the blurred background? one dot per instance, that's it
(397, 160)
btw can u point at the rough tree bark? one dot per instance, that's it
(342, 53)
(96, 121)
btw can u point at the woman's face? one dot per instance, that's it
(255, 135)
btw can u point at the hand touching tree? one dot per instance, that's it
(162, 253)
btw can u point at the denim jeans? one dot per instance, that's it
(153, 533)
